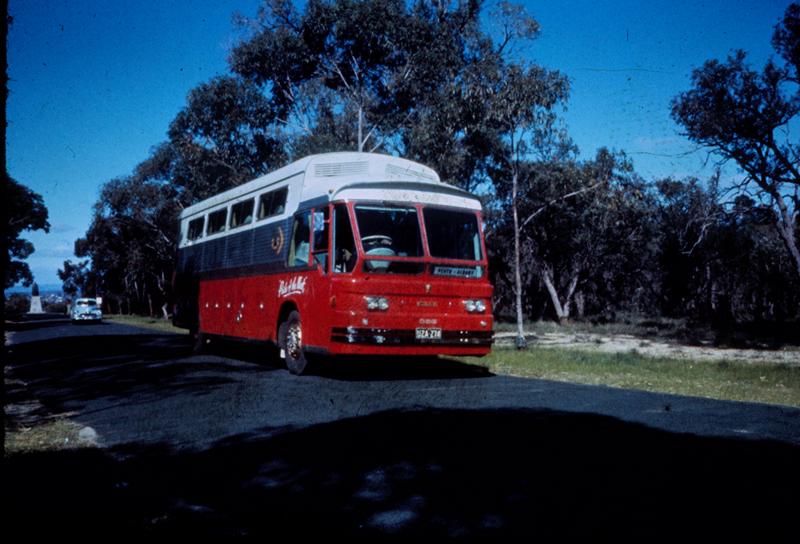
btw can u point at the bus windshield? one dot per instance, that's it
(388, 231)
(394, 231)
(452, 234)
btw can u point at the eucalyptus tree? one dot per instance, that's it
(345, 57)
(587, 234)
(745, 115)
(522, 103)
(380, 75)
(224, 136)
(24, 211)
(131, 242)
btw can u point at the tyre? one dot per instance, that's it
(291, 343)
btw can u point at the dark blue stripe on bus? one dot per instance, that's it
(265, 245)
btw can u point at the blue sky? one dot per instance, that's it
(95, 84)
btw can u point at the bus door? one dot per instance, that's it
(308, 260)
(319, 279)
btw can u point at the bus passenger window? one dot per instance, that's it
(216, 221)
(195, 229)
(299, 246)
(242, 214)
(263, 206)
(343, 241)
(321, 224)
(272, 203)
(278, 203)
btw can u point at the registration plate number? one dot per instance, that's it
(429, 334)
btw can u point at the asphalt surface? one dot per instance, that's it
(230, 444)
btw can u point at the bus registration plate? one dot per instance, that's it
(429, 334)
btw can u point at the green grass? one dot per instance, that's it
(741, 381)
(158, 324)
(47, 434)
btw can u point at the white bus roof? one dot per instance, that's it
(347, 175)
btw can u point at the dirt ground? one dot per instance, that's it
(622, 343)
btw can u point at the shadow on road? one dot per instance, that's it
(353, 369)
(508, 473)
(76, 368)
(397, 368)
(440, 473)
(72, 369)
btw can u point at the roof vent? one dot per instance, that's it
(335, 169)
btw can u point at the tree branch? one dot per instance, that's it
(532, 216)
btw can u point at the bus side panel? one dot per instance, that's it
(259, 310)
(240, 274)
(214, 297)
(238, 307)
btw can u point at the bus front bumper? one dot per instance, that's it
(410, 337)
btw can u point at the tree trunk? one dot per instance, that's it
(562, 308)
(360, 129)
(580, 304)
(521, 342)
(786, 228)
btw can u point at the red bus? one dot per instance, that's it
(338, 254)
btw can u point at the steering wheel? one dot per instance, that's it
(380, 245)
(377, 240)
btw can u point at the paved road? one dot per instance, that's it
(229, 443)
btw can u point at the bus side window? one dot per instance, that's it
(343, 241)
(321, 228)
(301, 234)
(195, 230)
(216, 221)
(277, 204)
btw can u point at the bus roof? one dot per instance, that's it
(326, 175)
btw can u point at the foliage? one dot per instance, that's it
(589, 238)
(55, 307)
(721, 264)
(25, 212)
(223, 137)
(17, 304)
(131, 243)
(74, 277)
(744, 115)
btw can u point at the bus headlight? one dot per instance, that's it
(474, 306)
(377, 303)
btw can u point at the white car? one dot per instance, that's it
(85, 309)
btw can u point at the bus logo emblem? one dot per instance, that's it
(277, 242)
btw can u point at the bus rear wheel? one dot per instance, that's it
(291, 343)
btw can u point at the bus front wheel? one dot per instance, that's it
(291, 343)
